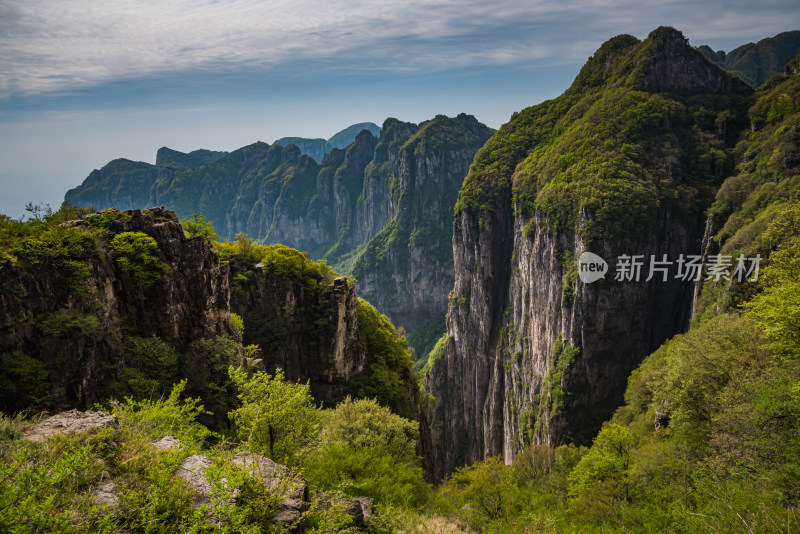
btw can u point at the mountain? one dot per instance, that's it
(346, 136)
(625, 162)
(756, 63)
(379, 209)
(764, 183)
(317, 148)
(166, 157)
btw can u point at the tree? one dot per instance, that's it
(138, 257)
(198, 225)
(606, 462)
(365, 449)
(485, 485)
(277, 418)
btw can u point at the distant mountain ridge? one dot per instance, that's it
(380, 209)
(755, 63)
(318, 147)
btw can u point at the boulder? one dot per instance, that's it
(359, 508)
(66, 422)
(166, 443)
(193, 472)
(278, 479)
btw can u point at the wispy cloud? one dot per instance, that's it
(49, 45)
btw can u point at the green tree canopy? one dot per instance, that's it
(277, 418)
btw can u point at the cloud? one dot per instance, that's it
(52, 45)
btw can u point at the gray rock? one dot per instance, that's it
(167, 443)
(193, 472)
(105, 494)
(70, 421)
(359, 508)
(278, 479)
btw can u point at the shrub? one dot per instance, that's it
(276, 418)
(138, 257)
(365, 449)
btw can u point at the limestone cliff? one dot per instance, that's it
(406, 269)
(625, 162)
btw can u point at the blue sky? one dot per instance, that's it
(84, 81)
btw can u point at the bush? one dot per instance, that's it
(138, 257)
(276, 418)
(365, 449)
(205, 365)
(151, 368)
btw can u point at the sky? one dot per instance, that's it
(83, 82)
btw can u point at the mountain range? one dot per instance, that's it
(646, 388)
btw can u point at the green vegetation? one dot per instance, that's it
(138, 257)
(24, 383)
(766, 181)
(277, 419)
(365, 449)
(596, 155)
(198, 225)
(390, 379)
(151, 367)
(424, 364)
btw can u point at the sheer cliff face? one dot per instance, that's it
(75, 316)
(625, 162)
(412, 253)
(311, 335)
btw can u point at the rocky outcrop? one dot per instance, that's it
(193, 473)
(69, 303)
(533, 354)
(672, 65)
(311, 334)
(69, 422)
(292, 489)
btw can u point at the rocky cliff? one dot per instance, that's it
(624, 163)
(122, 303)
(310, 331)
(406, 268)
(80, 299)
(308, 320)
